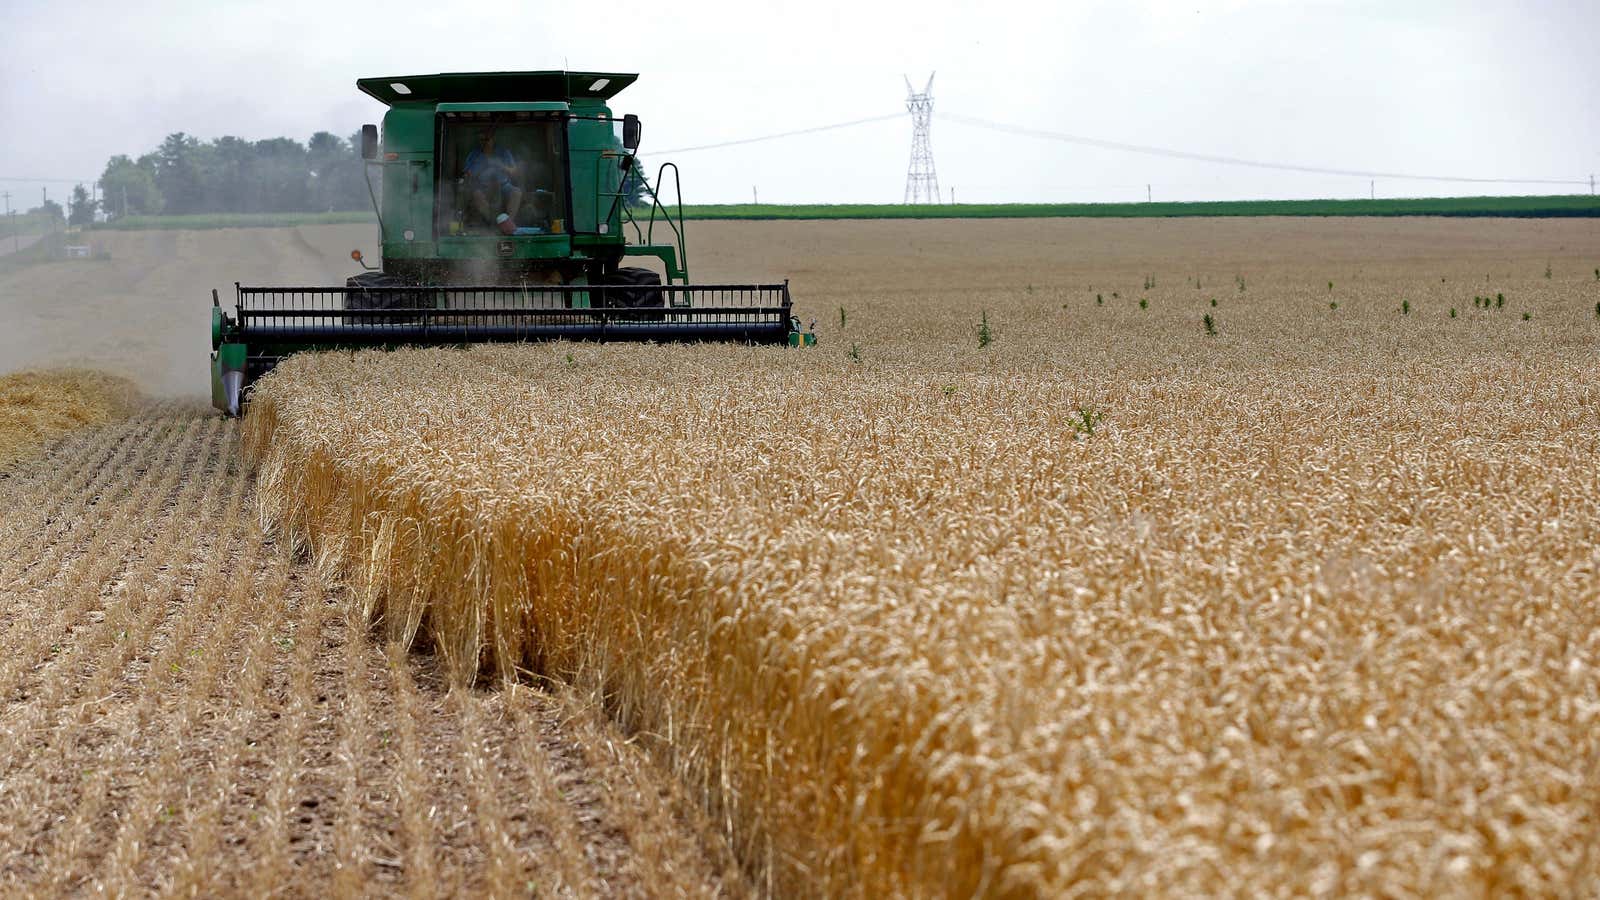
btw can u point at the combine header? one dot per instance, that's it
(505, 214)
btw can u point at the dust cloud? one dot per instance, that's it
(145, 313)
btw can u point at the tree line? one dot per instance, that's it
(227, 175)
(231, 175)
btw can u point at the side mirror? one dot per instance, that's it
(369, 142)
(630, 131)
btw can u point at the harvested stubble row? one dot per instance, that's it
(185, 711)
(911, 633)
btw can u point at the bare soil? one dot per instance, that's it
(145, 313)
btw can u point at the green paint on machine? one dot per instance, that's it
(502, 205)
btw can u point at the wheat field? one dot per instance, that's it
(1106, 605)
(1032, 579)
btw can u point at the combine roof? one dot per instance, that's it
(489, 87)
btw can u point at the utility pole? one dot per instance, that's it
(922, 182)
(1147, 195)
(952, 195)
(754, 197)
(10, 221)
(1591, 184)
(1372, 188)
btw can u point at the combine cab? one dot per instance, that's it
(505, 215)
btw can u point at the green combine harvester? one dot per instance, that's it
(505, 215)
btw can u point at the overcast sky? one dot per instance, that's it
(1489, 90)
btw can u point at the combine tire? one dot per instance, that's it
(639, 289)
(361, 299)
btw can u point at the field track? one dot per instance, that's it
(18, 244)
(184, 709)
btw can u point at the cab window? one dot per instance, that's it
(500, 174)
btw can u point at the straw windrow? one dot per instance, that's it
(39, 407)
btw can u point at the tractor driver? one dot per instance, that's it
(491, 174)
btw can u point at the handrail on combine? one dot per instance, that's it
(646, 234)
(677, 229)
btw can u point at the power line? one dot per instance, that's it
(1139, 148)
(1236, 161)
(784, 134)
